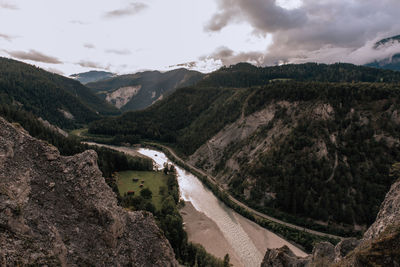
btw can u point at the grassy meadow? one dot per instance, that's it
(152, 180)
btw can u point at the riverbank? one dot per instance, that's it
(204, 231)
(301, 237)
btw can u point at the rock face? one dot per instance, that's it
(282, 257)
(379, 246)
(58, 210)
(389, 213)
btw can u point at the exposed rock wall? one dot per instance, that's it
(58, 210)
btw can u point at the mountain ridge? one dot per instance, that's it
(57, 99)
(140, 90)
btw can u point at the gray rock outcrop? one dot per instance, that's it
(58, 211)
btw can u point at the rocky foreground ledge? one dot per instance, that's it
(57, 210)
(380, 245)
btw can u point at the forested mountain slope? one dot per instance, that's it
(62, 101)
(245, 75)
(312, 149)
(140, 90)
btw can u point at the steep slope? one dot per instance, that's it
(392, 62)
(309, 155)
(92, 76)
(58, 211)
(380, 245)
(59, 100)
(140, 90)
(312, 150)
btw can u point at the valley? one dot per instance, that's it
(213, 133)
(264, 157)
(244, 239)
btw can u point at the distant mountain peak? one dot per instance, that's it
(92, 76)
(387, 40)
(392, 61)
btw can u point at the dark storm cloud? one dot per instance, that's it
(6, 37)
(322, 31)
(6, 5)
(91, 64)
(34, 55)
(118, 52)
(131, 9)
(264, 15)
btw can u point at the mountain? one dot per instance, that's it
(245, 74)
(319, 150)
(59, 100)
(59, 211)
(391, 63)
(92, 76)
(140, 90)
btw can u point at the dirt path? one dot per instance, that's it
(334, 169)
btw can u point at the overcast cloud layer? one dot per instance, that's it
(320, 31)
(126, 36)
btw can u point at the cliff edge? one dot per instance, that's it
(380, 245)
(58, 210)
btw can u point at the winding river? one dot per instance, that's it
(248, 240)
(217, 227)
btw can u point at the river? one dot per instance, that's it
(248, 240)
(211, 223)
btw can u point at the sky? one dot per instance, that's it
(126, 36)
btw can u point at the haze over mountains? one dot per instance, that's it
(392, 62)
(92, 76)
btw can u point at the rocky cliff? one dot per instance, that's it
(380, 245)
(57, 210)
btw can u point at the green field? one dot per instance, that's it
(152, 180)
(79, 132)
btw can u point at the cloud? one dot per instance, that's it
(118, 52)
(6, 5)
(131, 9)
(34, 55)
(228, 57)
(6, 37)
(321, 31)
(93, 65)
(89, 46)
(264, 15)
